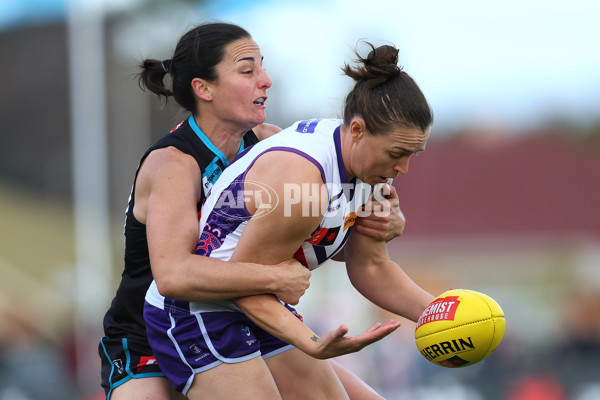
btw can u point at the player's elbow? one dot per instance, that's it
(168, 286)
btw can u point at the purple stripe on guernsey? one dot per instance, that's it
(241, 154)
(293, 150)
(338, 151)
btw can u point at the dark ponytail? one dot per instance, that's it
(152, 77)
(196, 56)
(383, 94)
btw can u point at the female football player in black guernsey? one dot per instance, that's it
(217, 76)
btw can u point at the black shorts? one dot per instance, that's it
(124, 359)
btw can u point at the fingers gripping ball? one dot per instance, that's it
(460, 328)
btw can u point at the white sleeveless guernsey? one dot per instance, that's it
(224, 215)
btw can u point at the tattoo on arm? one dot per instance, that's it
(314, 338)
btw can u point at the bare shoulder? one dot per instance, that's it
(168, 174)
(265, 130)
(168, 160)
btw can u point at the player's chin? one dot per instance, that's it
(251, 123)
(259, 119)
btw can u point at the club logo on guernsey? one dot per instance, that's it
(442, 309)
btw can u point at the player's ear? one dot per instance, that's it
(357, 128)
(202, 89)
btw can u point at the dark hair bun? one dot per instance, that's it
(384, 95)
(378, 67)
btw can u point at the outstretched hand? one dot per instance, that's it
(336, 343)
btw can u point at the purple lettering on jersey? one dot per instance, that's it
(307, 126)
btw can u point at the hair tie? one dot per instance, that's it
(166, 68)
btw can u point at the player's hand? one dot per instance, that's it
(336, 343)
(293, 282)
(381, 218)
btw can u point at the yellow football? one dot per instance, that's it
(459, 328)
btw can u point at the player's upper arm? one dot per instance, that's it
(276, 231)
(172, 189)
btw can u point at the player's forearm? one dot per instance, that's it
(200, 278)
(389, 287)
(269, 314)
(381, 280)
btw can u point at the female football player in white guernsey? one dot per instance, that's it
(217, 76)
(321, 172)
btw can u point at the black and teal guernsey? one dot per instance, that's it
(125, 318)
